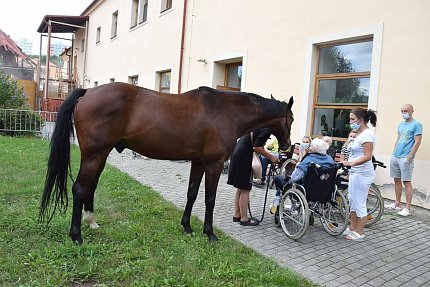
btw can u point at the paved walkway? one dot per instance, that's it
(396, 251)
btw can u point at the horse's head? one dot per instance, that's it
(283, 132)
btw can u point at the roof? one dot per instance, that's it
(10, 45)
(61, 23)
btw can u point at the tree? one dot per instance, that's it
(11, 95)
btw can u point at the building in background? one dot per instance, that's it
(25, 45)
(58, 48)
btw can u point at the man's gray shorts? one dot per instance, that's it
(401, 168)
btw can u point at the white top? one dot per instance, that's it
(357, 151)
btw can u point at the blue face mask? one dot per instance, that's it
(354, 125)
(406, 116)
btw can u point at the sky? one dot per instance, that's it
(21, 18)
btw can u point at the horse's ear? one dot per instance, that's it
(272, 97)
(290, 103)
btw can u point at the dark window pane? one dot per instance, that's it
(355, 90)
(331, 122)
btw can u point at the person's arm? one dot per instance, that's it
(397, 140)
(367, 155)
(261, 151)
(297, 175)
(415, 147)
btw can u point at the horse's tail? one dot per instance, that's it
(55, 191)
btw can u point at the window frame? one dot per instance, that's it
(166, 5)
(226, 69)
(98, 34)
(335, 76)
(132, 79)
(143, 11)
(114, 26)
(134, 15)
(163, 88)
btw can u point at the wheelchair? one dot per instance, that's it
(318, 196)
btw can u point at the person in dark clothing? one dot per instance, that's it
(240, 171)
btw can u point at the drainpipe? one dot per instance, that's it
(184, 17)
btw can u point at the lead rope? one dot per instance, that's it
(271, 172)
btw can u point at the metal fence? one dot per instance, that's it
(41, 123)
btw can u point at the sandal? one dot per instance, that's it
(250, 222)
(354, 236)
(236, 219)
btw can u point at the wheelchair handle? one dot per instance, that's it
(379, 163)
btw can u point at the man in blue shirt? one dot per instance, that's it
(409, 134)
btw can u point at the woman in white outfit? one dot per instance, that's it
(362, 173)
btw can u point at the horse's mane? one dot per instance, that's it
(268, 106)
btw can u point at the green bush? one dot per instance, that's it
(13, 97)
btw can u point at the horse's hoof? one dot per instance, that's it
(188, 230)
(78, 241)
(212, 238)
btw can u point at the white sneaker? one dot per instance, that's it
(393, 206)
(404, 212)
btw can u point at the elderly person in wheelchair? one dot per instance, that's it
(317, 155)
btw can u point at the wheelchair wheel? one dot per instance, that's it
(335, 214)
(375, 204)
(294, 213)
(286, 168)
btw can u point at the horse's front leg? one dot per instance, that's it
(212, 175)
(196, 175)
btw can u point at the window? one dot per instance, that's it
(165, 82)
(114, 29)
(341, 84)
(134, 13)
(99, 30)
(134, 80)
(232, 77)
(143, 11)
(166, 5)
(82, 45)
(139, 12)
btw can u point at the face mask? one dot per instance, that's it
(406, 116)
(305, 145)
(355, 125)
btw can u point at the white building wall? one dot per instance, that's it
(143, 50)
(276, 40)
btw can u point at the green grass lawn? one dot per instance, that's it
(140, 241)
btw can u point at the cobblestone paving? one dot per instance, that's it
(396, 251)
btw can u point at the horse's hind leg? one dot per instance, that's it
(88, 215)
(196, 175)
(83, 190)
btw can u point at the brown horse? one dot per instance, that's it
(201, 125)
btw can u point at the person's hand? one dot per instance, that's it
(410, 158)
(274, 159)
(346, 163)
